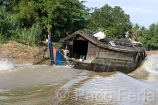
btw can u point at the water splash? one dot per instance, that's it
(151, 64)
(23, 64)
(5, 64)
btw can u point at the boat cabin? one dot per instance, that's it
(80, 48)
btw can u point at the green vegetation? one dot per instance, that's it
(149, 37)
(112, 20)
(27, 21)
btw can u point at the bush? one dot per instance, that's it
(30, 36)
(8, 26)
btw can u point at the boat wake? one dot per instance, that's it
(117, 88)
(151, 64)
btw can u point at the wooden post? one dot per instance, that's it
(50, 46)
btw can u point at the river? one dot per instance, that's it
(27, 84)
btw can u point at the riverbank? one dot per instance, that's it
(152, 52)
(19, 53)
(14, 49)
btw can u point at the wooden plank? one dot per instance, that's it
(116, 55)
(92, 51)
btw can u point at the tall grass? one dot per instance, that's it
(29, 36)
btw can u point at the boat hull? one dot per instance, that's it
(109, 61)
(108, 67)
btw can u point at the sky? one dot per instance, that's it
(143, 12)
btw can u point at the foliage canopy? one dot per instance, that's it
(114, 20)
(28, 21)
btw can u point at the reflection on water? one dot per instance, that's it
(47, 85)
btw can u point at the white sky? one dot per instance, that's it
(143, 12)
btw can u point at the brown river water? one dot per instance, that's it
(22, 83)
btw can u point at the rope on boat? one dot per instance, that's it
(138, 55)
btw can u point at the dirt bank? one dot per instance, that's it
(152, 52)
(17, 50)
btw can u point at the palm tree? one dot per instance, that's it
(135, 32)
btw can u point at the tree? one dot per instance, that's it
(150, 40)
(114, 20)
(8, 25)
(62, 16)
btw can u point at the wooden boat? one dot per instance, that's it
(106, 55)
